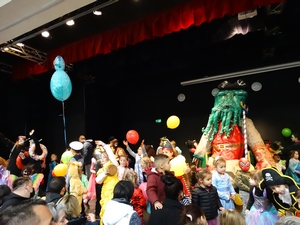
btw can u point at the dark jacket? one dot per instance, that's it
(52, 197)
(81, 220)
(168, 215)
(17, 149)
(283, 207)
(11, 200)
(207, 199)
(87, 153)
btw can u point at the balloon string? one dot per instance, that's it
(64, 123)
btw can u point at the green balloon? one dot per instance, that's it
(66, 156)
(286, 132)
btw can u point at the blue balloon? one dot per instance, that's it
(59, 63)
(60, 83)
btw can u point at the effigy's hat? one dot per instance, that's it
(272, 177)
(226, 85)
(76, 145)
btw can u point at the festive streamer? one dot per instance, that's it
(64, 123)
(245, 111)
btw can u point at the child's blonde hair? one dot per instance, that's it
(232, 217)
(132, 177)
(219, 160)
(256, 175)
(145, 162)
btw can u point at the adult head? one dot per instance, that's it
(288, 220)
(295, 137)
(23, 186)
(81, 138)
(58, 214)
(30, 212)
(71, 205)
(113, 142)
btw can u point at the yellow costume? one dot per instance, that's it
(109, 181)
(76, 186)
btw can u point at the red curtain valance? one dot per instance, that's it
(193, 12)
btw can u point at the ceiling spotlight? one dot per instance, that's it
(97, 13)
(20, 44)
(45, 34)
(70, 22)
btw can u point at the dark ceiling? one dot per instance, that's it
(207, 50)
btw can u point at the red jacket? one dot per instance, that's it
(155, 187)
(138, 202)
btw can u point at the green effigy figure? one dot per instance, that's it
(228, 130)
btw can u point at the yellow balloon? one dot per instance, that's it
(178, 165)
(60, 170)
(173, 122)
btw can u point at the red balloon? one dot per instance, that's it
(132, 136)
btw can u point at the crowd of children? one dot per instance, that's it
(124, 195)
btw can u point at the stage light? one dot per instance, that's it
(6, 49)
(20, 44)
(45, 34)
(70, 22)
(97, 13)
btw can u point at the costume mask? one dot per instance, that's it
(244, 164)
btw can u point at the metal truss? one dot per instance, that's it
(5, 68)
(275, 9)
(26, 52)
(31, 54)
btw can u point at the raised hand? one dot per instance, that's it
(125, 143)
(31, 132)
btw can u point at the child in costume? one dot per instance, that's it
(222, 182)
(91, 195)
(260, 210)
(192, 215)
(52, 164)
(298, 201)
(107, 175)
(205, 195)
(76, 187)
(137, 200)
(284, 191)
(176, 161)
(141, 152)
(293, 169)
(123, 167)
(4, 173)
(280, 167)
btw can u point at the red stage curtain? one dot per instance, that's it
(193, 12)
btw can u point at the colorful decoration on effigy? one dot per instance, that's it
(229, 132)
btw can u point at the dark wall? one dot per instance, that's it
(113, 110)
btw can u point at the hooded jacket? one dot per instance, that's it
(11, 199)
(125, 216)
(52, 197)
